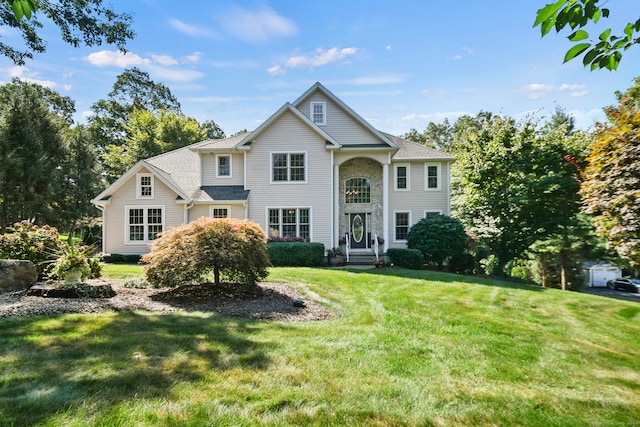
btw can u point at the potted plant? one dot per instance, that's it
(335, 256)
(72, 265)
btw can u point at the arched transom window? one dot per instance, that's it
(358, 190)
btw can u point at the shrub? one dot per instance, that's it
(440, 238)
(407, 258)
(121, 259)
(295, 254)
(40, 245)
(95, 267)
(233, 248)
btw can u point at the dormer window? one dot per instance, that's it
(144, 186)
(319, 113)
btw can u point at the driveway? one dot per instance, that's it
(606, 292)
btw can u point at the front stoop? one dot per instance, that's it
(361, 258)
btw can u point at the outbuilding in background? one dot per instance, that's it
(598, 274)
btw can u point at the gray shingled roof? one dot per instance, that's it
(219, 144)
(409, 150)
(224, 192)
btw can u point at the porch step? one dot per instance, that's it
(361, 258)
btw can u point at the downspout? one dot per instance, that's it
(186, 212)
(104, 227)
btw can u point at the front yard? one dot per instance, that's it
(404, 348)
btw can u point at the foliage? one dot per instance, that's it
(333, 252)
(95, 268)
(606, 52)
(611, 186)
(287, 239)
(121, 258)
(26, 240)
(295, 254)
(137, 283)
(512, 184)
(382, 262)
(87, 22)
(231, 247)
(406, 258)
(150, 134)
(439, 238)
(71, 258)
(31, 150)
(133, 90)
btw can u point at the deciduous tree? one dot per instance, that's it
(611, 187)
(86, 22)
(603, 52)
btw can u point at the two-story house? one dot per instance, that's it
(314, 169)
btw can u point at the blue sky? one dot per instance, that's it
(398, 64)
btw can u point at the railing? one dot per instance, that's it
(375, 245)
(347, 245)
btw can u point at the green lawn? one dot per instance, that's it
(406, 348)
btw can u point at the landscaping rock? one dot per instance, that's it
(79, 290)
(16, 274)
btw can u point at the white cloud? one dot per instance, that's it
(163, 60)
(388, 47)
(193, 30)
(174, 74)
(538, 90)
(258, 26)
(383, 79)
(115, 58)
(276, 70)
(321, 57)
(418, 119)
(26, 75)
(194, 57)
(67, 87)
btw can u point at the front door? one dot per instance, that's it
(358, 230)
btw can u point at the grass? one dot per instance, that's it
(121, 271)
(407, 349)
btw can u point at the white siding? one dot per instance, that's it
(126, 196)
(289, 134)
(197, 211)
(417, 200)
(342, 127)
(209, 168)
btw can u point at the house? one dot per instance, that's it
(598, 274)
(314, 169)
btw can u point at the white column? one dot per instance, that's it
(385, 206)
(336, 206)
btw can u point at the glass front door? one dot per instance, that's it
(358, 230)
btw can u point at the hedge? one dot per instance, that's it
(407, 258)
(295, 254)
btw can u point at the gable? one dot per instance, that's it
(342, 123)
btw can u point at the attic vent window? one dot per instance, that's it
(319, 113)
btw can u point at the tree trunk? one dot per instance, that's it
(216, 276)
(564, 259)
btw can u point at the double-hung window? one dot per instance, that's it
(401, 225)
(402, 177)
(288, 167)
(224, 166)
(143, 223)
(319, 113)
(290, 222)
(432, 176)
(219, 211)
(144, 186)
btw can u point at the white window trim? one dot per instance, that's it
(227, 207)
(297, 224)
(395, 176)
(218, 166)
(324, 112)
(431, 212)
(395, 218)
(146, 241)
(426, 176)
(139, 195)
(288, 153)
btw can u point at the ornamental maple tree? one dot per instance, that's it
(611, 186)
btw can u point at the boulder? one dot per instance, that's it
(78, 290)
(17, 274)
